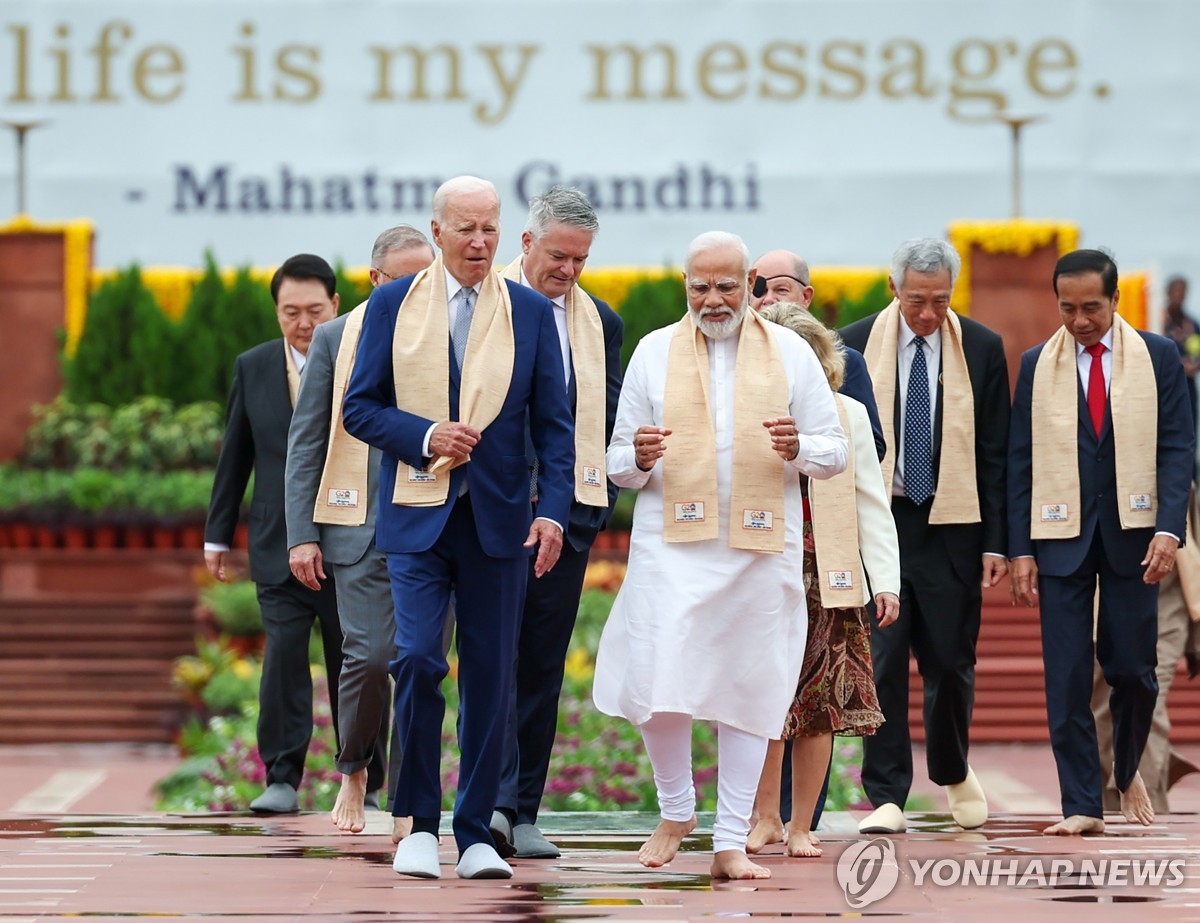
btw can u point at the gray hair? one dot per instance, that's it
(401, 237)
(927, 255)
(716, 240)
(824, 342)
(460, 185)
(561, 205)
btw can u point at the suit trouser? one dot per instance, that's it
(364, 596)
(488, 596)
(939, 622)
(1126, 638)
(285, 713)
(551, 605)
(1174, 629)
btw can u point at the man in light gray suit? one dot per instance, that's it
(364, 594)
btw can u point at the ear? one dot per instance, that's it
(436, 230)
(526, 241)
(750, 277)
(373, 275)
(1116, 298)
(337, 299)
(892, 288)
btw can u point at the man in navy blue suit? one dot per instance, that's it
(555, 246)
(460, 519)
(1113, 511)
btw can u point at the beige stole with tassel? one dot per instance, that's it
(421, 370)
(342, 496)
(1133, 402)
(957, 497)
(834, 507)
(585, 332)
(690, 510)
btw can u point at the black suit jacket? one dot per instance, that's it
(984, 352)
(585, 521)
(256, 438)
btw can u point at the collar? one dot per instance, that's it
(560, 301)
(1107, 340)
(453, 286)
(298, 357)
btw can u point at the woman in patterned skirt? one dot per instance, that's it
(836, 693)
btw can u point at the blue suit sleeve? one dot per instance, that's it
(1176, 441)
(1020, 460)
(370, 412)
(857, 384)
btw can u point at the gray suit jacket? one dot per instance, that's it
(308, 440)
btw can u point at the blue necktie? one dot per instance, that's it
(462, 324)
(918, 430)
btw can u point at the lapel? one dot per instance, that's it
(455, 371)
(275, 389)
(1085, 416)
(936, 448)
(572, 391)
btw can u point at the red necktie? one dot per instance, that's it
(1096, 396)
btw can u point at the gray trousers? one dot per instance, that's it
(364, 600)
(367, 614)
(1174, 628)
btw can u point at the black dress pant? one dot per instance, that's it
(551, 605)
(939, 623)
(1126, 647)
(285, 697)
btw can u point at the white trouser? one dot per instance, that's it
(740, 758)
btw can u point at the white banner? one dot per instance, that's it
(836, 128)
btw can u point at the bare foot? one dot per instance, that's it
(813, 838)
(802, 844)
(348, 813)
(1076, 825)
(401, 827)
(734, 864)
(767, 831)
(1135, 802)
(664, 842)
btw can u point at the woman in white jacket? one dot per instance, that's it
(836, 693)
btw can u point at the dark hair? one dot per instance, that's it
(1078, 262)
(301, 267)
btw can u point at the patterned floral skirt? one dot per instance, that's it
(836, 692)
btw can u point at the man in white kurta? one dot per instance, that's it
(701, 629)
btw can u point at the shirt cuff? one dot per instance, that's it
(215, 546)
(425, 453)
(548, 519)
(996, 554)
(1172, 534)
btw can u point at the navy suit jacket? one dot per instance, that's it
(1124, 548)
(498, 475)
(857, 384)
(586, 521)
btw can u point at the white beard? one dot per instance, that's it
(721, 330)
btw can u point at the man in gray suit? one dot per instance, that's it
(364, 595)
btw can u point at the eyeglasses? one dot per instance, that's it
(724, 287)
(386, 275)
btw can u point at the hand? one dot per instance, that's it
(1023, 581)
(453, 440)
(215, 562)
(785, 438)
(307, 564)
(648, 445)
(548, 538)
(887, 608)
(994, 567)
(1160, 558)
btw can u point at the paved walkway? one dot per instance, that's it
(77, 837)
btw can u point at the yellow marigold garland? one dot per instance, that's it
(1019, 237)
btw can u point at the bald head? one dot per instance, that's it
(466, 227)
(786, 277)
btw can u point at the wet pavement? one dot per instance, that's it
(298, 868)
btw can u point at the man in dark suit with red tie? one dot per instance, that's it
(1101, 450)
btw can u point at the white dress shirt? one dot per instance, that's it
(1084, 360)
(560, 321)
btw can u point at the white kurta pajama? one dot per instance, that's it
(700, 628)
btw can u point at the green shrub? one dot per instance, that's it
(127, 346)
(876, 298)
(350, 294)
(234, 607)
(650, 304)
(245, 318)
(198, 376)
